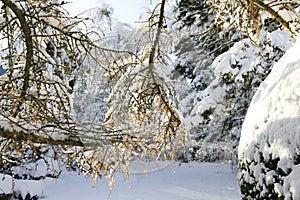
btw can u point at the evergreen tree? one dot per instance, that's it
(216, 109)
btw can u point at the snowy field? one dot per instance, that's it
(191, 181)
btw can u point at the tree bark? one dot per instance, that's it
(159, 29)
(21, 136)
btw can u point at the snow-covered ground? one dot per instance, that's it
(190, 181)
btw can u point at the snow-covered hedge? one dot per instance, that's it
(269, 150)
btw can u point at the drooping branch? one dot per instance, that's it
(272, 12)
(21, 136)
(28, 41)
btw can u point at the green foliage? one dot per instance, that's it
(251, 185)
(204, 37)
(6, 196)
(193, 12)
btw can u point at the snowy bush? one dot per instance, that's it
(269, 146)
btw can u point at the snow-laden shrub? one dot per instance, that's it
(219, 110)
(269, 150)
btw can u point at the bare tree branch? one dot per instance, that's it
(158, 33)
(28, 40)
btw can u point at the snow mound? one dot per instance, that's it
(20, 188)
(269, 150)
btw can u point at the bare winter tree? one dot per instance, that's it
(41, 49)
(142, 113)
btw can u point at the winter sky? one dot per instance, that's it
(127, 11)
